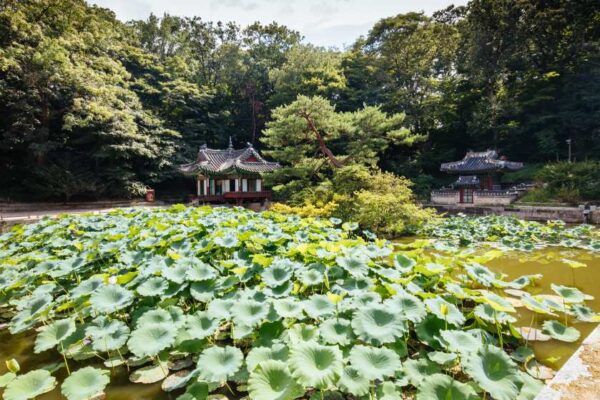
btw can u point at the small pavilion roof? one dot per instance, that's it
(480, 162)
(229, 162)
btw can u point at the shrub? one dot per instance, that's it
(572, 182)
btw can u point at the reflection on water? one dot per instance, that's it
(547, 262)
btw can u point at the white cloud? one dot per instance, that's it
(322, 22)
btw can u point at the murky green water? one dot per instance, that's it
(547, 262)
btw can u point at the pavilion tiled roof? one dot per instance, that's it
(228, 162)
(479, 162)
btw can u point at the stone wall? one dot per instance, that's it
(493, 198)
(445, 197)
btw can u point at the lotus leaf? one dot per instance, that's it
(444, 387)
(249, 312)
(319, 306)
(273, 381)
(29, 385)
(217, 364)
(558, 331)
(149, 374)
(417, 370)
(55, 333)
(463, 342)
(494, 372)
(152, 287)
(201, 325)
(110, 298)
(377, 325)
(276, 275)
(354, 265)
(148, 340)
(289, 308)
(107, 335)
(336, 331)
(407, 306)
(353, 382)
(315, 365)
(257, 355)
(373, 362)
(445, 311)
(85, 383)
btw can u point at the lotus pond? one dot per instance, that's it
(184, 303)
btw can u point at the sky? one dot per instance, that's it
(322, 22)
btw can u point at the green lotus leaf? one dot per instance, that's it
(53, 334)
(318, 306)
(445, 311)
(429, 329)
(220, 308)
(583, 313)
(374, 363)
(462, 342)
(417, 370)
(280, 291)
(217, 364)
(273, 381)
(228, 241)
(494, 372)
(377, 325)
(178, 380)
(404, 264)
(441, 358)
(257, 355)
(522, 354)
(204, 291)
(198, 271)
(201, 325)
(289, 308)
(481, 275)
(196, 391)
(570, 294)
(407, 306)
(150, 339)
(388, 391)
(354, 265)
(152, 287)
(149, 374)
(311, 275)
(85, 383)
(176, 273)
(487, 313)
(336, 331)
(29, 385)
(558, 331)
(444, 387)
(249, 312)
(536, 304)
(107, 334)
(110, 298)
(531, 387)
(498, 303)
(276, 275)
(155, 316)
(302, 333)
(6, 378)
(315, 365)
(86, 287)
(353, 382)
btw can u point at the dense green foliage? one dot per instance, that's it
(512, 233)
(94, 107)
(569, 182)
(277, 306)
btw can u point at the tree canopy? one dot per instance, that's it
(93, 107)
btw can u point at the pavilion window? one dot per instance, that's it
(252, 185)
(232, 185)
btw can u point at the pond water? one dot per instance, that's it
(547, 262)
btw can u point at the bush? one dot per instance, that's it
(379, 201)
(571, 182)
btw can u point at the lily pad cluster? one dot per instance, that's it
(512, 233)
(219, 300)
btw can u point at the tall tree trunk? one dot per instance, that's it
(322, 146)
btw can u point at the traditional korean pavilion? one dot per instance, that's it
(478, 179)
(230, 175)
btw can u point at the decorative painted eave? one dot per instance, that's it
(230, 161)
(480, 162)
